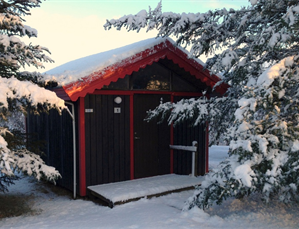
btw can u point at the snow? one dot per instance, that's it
(228, 58)
(295, 146)
(290, 14)
(56, 210)
(274, 39)
(186, 148)
(244, 127)
(245, 144)
(144, 187)
(253, 2)
(268, 76)
(14, 89)
(217, 154)
(243, 173)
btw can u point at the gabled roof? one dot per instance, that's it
(87, 74)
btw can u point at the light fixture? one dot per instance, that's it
(118, 100)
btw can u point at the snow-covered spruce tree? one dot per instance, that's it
(256, 50)
(19, 91)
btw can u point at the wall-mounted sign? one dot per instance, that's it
(88, 110)
(117, 110)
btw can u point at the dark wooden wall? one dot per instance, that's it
(56, 133)
(107, 139)
(185, 134)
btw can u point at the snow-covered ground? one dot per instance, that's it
(53, 210)
(217, 154)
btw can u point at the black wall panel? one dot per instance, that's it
(55, 131)
(107, 139)
(184, 134)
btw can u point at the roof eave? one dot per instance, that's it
(140, 60)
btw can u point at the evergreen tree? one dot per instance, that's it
(255, 49)
(21, 90)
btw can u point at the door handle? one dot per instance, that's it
(136, 138)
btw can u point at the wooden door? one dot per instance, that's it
(151, 140)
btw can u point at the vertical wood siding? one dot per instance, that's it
(56, 132)
(184, 134)
(107, 139)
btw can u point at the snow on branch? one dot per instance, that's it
(18, 91)
(33, 165)
(199, 110)
(24, 161)
(13, 88)
(240, 31)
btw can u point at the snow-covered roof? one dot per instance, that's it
(87, 74)
(77, 69)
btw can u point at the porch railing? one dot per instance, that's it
(192, 149)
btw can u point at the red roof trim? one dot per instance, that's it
(112, 73)
(60, 92)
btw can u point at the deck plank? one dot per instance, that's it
(127, 191)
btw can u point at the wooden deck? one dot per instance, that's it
(123, 192)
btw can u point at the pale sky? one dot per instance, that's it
(72, 29)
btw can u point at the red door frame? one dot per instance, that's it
(207, 147)
(131, 136)
(82, 165)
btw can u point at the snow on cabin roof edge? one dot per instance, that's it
(77, 69)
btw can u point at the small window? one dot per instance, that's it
(153, 78)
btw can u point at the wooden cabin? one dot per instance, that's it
(112, 141)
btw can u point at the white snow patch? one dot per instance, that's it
(274, 39)
(3, 143)
(244, 172)
(217, 154)
(244, 105)
(263, 143)
(295, 146)
(245, 144)
(253, 2)
(281, 93)
(244, 127)
(268, 76)
(16, 89)
(228, 58)
(290, 17)
(243, 102)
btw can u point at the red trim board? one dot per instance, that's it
(131, 136)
